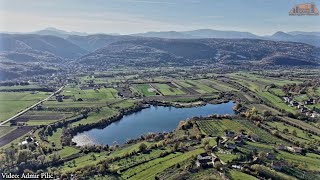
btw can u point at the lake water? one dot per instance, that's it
(152, 119)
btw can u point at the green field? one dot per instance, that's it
(56, 138)
(237, 175)
(186, 84)
(77, 98)
(276, 101)
(150, 169)
(167, 90)
(300, 133)
(68, 151)
(27, 87)
(145, 89)
(227, 157)
(137, 159)
(40, 122)
(262, 134)
(91, 95)
(13, 102)
(261, 108)
(217, 127)
(306, 162)
(201, 87)
(87, 159)
(265, 80)
(104, 113)
(123, 104)
(259, 146)
(260, 87)
(220, 85)
(277, 92)
(301, 98)
(302, 124)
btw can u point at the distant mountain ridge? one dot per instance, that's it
(57, 32)
(189, 52)
(198, 34)
(37, 47)
(187, 47)
(307, 38)
(95, 41)
(312, 38)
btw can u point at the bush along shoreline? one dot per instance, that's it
(105, 122)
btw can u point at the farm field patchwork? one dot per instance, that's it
(167, 155)
(217, 127)
(276, 101)
(310, 163)
(145, 89)
(299, 133)
(91, 94)
(150, 169)
(223, 87)
(13, 102)
(168, 90)
(201, 87)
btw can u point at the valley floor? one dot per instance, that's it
(268, 138)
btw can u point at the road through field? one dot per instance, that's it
(29, 108)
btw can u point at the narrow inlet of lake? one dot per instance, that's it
(152, 119)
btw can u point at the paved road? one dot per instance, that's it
(29, 108)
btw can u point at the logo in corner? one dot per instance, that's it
(306, 9)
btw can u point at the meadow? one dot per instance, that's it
(13, 102)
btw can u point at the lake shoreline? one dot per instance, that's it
(138, 109)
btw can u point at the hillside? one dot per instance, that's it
(94, 42)
(307, 38)
(311, 38)
(37, 47)
(153, 51)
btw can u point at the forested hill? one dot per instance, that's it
(156, 51)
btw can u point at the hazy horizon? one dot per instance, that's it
(115, 33)
(263, 17)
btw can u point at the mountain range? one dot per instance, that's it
(188, 52)
(196, 47)
(26, 47)
(312, 38)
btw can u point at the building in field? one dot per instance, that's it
(206, 160)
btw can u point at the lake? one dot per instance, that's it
(152, 119)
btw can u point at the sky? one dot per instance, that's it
(262, 17)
